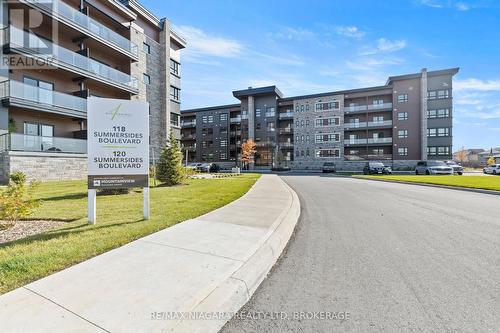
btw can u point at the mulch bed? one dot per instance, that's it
(11, 231)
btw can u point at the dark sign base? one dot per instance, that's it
(118, 181)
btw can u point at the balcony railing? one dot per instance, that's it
(86, 24)
(367, 141)
(285, 115)
(185, 124)
(33, 45)
(235, 120)
(367, 124)
(188, 136)
(355, 108)
(286, 130)
(27, 94)
(286, 144)
(33, 143)
(270, 114)
(372, 157)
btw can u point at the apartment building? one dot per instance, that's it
(406, 120)
(56, 54)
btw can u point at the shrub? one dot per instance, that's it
(16, 202)
(113, 191)
(169, 169)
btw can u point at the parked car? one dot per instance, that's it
(433, 168)
(209, 168)
(372, 168)
(194, 166)
(457, 168)
(493, 169)
(329, 167)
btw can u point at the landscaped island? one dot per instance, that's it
(119, 219)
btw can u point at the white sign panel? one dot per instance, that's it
(118, 143)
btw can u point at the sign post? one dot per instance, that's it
(118, 148)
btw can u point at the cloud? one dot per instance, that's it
(477, 85)
(385, 46)
(288, 60)
(289, 33)
(201, 43)
(368, 64)
(349, 31)
(450, 4)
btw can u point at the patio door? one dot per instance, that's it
(38, 91)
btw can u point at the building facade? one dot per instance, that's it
(58, 53)
(406, 120)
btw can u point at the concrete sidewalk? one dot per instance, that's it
(213, 263)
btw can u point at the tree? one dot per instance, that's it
(461, 155)
(278, 158)
(169, 169)
(16, 201)
(490, 161)
(248, 151)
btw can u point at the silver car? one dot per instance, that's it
(433, 168)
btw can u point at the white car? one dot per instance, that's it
(493, 169)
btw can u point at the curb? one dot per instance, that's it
(456, 188)
(234, 292)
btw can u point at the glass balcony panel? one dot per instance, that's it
(63, 10)
(33, 143)
(69, 57)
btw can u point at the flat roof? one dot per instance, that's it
(258, 91)
(211, 108)
(449, 71)
(351, 91)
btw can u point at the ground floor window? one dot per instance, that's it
(326, 153)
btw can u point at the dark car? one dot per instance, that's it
(457, 168)
(329, 167)
(376, 168)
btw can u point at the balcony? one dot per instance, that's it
(286, 144)
(84, 24)
(188, 124)
(368, 108)
(190, 148)
(264, 144)
(286, 130)
(42, 144)
(235, 119)
(286, 115)
(370, 141)
(189, 137)
(370, 124)
(14, 93)
(270, 114)
(42, 49)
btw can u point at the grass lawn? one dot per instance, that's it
(480, 182)
(119, 221)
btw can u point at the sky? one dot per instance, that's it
(318, 46)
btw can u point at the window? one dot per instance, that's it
(378, 119)
(378, 151)
(210, 119)
(223, 156)
(174, 119)
(223, 117)
(270, 126)
(174, 67)
(302, 123)
(327, 137)
(270, 112)
(307, 109)
(297, 123)
(403, 98)
(438, 151)
(301, 108)
(438, 132)
(43, 95)
(403, 151)
(223, 130)
(146, 78)
(307, 152)
(302, 138)
(402, 116)
(257, 126)
(204, 119)
(402, 134)
(438, 113)
(438, 94)
(146, 48)
(307, 122)
(324, 122)
(175, 93)
(257, 112)
(223, 143)
(324, 106)
(378, 101)
(327, 153)
(207, 131)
